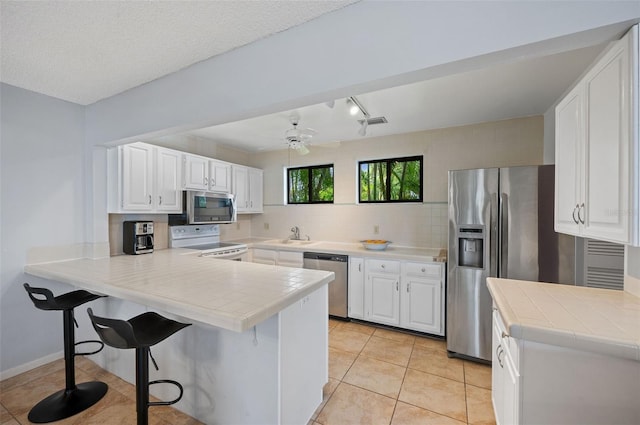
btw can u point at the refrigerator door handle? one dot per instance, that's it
(503, 252)
(494, 213)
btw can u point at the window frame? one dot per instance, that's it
(310, 169)
(389, 163)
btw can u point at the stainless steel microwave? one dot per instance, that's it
(205, 208)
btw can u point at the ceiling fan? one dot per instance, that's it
(297, 138)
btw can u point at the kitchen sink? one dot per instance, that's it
(292, 242)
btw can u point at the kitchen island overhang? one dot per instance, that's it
(259, 350)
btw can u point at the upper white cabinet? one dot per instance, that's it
(247, 188)
(168, 185)
(144, 178)
(219, 176)
(597, 149)
(196, 172)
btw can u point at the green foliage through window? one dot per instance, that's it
(391, 180)
(310, 185)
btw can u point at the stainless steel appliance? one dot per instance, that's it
(205, 208)
(500, 225)
(137, 237)
(204, 240)
(339, 264)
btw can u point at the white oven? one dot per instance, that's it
(205, 240)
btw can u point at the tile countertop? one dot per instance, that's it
(355, 249)
(587, 319)
(227, 294)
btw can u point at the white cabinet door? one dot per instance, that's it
(421, 297)
(240, 177)
(196, 172)
(382, 298)
(597, 161)
(264, 256)
(420, 305)
(255, 190)
(607, 149)
(356, 288)
(497, 373)
(219, 176)
(568, 178)
(168, 192)
(290, 259)
(137, 177)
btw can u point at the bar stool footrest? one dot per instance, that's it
(66, 403)
(89, 341)
(166, 403)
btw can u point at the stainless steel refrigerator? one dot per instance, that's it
(500, 225)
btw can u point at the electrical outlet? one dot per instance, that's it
(266, 226)
(376, 229)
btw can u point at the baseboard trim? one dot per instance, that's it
(10, 373)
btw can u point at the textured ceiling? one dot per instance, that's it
(84, 51)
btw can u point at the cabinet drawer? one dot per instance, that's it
(433, 270)
(383, 266)
(264, 254)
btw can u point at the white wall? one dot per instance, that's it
(43, 204)
(494, 144)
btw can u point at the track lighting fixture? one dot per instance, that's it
(355, 106)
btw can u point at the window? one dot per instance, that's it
(310, 185)
(391, 180)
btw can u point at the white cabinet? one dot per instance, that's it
(505, 379)
(597, 149)
(168, 171)
(356, 288)
(382, 291)
(219, 176)
(247, 188)
(421, 301)
(196, 172)
(277, 258)
(143, 178)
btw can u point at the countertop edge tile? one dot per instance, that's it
(560, 334)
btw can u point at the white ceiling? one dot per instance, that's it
(515, 89)
(84, 51)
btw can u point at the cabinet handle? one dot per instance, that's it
(499, 351)
(149, 199)
(160, 200)
(505, 335)
(579, 209)
(213, 182)
(408, 285)
(359, 267)
(397, 285)
(424, 270)
(382, 266)
(205, 181)
(573, 214)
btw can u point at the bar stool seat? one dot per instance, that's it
(75, 397)
(140, 333)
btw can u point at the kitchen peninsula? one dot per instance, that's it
(564, 354)
(256, 330)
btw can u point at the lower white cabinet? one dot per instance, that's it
(397, 293)
(356, 288)
(421, 297)
(277, 258)
(505, 378)
(382, 291)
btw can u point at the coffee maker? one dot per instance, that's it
(137, 237)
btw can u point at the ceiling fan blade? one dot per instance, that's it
(303, 150)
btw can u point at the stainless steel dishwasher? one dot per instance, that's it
(339, 264)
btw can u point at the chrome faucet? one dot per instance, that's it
(296, 233)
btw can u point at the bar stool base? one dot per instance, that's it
(63, 404)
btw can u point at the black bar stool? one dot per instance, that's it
(140, 332)
(74, 398)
